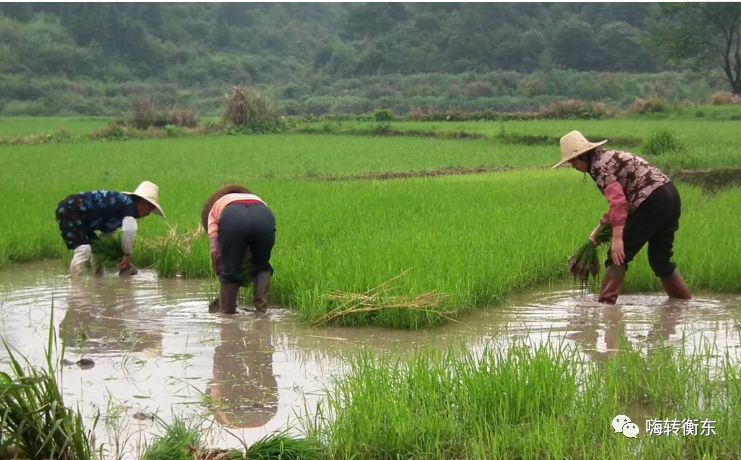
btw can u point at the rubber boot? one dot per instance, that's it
(80, 257)
(228, 297)
(612, 284)
(260, 287)
(675, 286)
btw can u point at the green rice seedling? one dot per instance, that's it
(179, 442)
(107, 250)
(33, 417)
(280, 445)
(585, 261)
(528, 401)
(661, 142)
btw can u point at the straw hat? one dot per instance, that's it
(574, 144)
(150, 192)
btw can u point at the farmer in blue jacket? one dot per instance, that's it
(82, 215)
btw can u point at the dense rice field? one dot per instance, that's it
(531, 403)
(472, 238)
(24, 126)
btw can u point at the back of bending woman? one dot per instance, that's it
(644, 207)
(239, 225)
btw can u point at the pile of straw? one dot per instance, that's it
(378, 298)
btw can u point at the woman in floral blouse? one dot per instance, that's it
(644, 207)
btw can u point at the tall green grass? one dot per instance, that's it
(529, 402)
(183, 441)
(34, 421)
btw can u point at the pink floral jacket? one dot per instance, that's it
(626, 180)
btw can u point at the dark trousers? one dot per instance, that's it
(654, 222)
(243, 228)
(72, 222)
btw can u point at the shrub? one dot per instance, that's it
(573, 108)
(650, 105)
(113, 130)
(183, 117)
(146, 114)
(249, 110)
(660, 142)
(722, 98)
(383, 115)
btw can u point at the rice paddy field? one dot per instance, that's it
(469, 238)
(466, 222)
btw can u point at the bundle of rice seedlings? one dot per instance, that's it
(107, 250)
(585, 261)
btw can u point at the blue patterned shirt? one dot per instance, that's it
(104, 210)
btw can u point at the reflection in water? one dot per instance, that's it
(157, 350)
(244, 388)
(599, 329)
(596, 341)
(103, 315)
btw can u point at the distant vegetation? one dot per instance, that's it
(94, 59)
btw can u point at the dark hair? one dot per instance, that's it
(588, 158)
(225, 190)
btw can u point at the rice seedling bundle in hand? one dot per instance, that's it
(585, 261)
(107, 250)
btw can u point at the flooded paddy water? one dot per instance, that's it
(141, 347)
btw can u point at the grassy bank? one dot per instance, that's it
(531, 403)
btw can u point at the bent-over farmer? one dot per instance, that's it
(81, 216)
(239, 225)
(644, 207)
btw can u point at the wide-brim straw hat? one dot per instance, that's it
(574, 144)
(150, 192)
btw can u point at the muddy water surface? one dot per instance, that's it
(155, 351)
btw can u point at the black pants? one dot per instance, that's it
(654, 222)
(243, 227)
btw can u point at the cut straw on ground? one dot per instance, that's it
(378, 299)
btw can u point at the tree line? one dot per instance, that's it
(192, 45)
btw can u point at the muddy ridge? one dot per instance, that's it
(534, 139)
(453, 171)
(710, 180)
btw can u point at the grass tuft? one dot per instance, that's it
(34, 421)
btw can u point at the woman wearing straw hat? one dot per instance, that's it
(82, 215)
(240, 226)
(644, 207)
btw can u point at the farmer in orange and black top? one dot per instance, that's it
(240, 225)
(644, 207)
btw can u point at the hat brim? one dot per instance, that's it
(592, 146)
(157, 209)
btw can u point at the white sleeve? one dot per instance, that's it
(128, 228)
